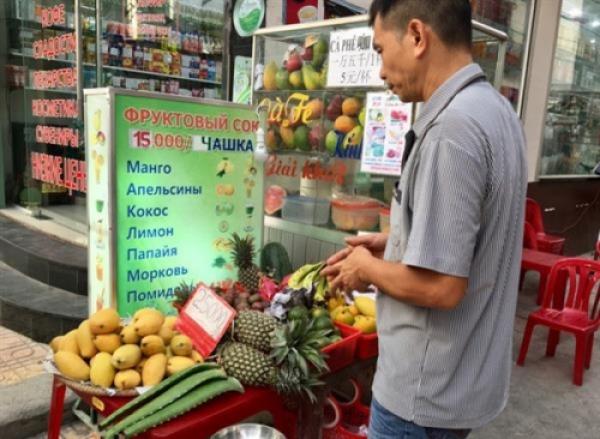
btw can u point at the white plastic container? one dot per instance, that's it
(306, 210)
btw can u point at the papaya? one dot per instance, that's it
(127, 379)
(107, 342)
(104, 321)
(154, 369)
(127, 356)
(72, 365)
(85, 340)
(102, 372)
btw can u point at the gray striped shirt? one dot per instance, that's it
(461, 213)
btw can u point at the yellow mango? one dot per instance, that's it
(69, 342)
(181, 345)
(365, 324)
(127, 379)
(154, 369)
(178, 363)
(169, 352)
(107, 342)
(152, 344)
(104, 321)
(365, 305)
(140, 365)
(147, 311)
(353, 310)
(55, 343)
(170, 322)
(127, 356)
(72, 365)
(148, 324)
(196, 356)
(102, 372)
(166, 333)
(85, 340)
(129, 336)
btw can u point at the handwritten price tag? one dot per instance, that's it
(205, 318)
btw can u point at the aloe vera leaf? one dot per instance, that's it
(173, 393)
(158, 388)
(189, 401)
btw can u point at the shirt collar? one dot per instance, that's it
(444, 94)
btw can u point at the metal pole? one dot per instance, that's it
(99, 43)
(79, 57)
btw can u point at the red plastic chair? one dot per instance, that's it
(582, 277)
(545, 242)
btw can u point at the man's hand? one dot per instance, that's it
(346, 275)
(375, 243)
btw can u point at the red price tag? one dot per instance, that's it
(205, 318)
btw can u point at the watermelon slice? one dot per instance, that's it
(274, 199)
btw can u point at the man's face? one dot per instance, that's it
(399, 67)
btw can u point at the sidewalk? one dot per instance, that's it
(25, 389)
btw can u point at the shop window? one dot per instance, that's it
(571, 145)
(512, 17)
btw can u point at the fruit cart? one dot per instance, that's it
(316, 88)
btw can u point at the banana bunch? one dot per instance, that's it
(309, 277)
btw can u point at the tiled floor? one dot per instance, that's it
(19, 357)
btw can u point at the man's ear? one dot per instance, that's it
(418, 35)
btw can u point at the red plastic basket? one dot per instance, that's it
(351, 418)
(341, 353)
(367, 345)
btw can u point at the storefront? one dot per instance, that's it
(52, 50)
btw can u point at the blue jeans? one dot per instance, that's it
(386, 425)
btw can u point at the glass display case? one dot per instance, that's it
(158, 45)
(315, 88)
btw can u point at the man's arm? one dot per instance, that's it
(417, 286)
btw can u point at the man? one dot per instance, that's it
(447, 274)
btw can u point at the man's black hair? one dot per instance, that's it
(449, 19)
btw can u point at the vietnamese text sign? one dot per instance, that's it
(352, 60)
(387, 120)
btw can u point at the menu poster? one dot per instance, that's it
(387, 121)
(352, 60)
(183, 180)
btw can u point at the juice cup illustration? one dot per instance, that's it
(98, 164)
(99, 206)
(99, 232)
(99, 268)
(249, 184)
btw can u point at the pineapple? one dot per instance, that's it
(250, 366)
(243, 257)
(183, 293)
(255, 329)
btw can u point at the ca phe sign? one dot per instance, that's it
(352, 60)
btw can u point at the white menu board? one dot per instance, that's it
(352, 60)
(387, 120)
